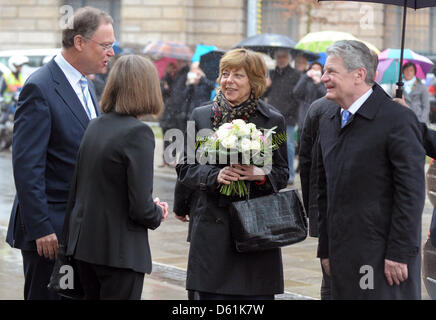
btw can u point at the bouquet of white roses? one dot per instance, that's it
(239, 142)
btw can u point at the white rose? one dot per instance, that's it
(255, 135)
(224, 130)
(244, 131)
(229, 142)
(255, 145)
(245, 144)
(239, 122)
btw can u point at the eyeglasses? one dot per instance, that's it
(106, 47)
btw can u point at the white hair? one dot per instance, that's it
(355, 54)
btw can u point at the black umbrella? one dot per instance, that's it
(270, 42)
(414, 4)
(210, 63)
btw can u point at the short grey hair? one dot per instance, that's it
(86, 22)
(355, 54)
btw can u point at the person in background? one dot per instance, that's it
(11, 83)
(54, 108)
(279, 94)
(108, 235)
(301, 63)
(308, 89)
(416, 93)
(173, 87)
(198, 88)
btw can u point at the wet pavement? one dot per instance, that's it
(169, 247)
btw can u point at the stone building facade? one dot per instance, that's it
(35, 23)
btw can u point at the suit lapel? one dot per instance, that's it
(66, 92)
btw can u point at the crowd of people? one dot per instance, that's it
(361, 154)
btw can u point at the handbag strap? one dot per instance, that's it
(71, 196)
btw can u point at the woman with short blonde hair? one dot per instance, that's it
(216, 270)
(253, 64)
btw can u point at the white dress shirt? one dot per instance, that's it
(359, 102)
(73, 77)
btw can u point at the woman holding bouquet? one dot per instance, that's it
(215, 269)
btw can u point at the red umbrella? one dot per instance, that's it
(161, 65)
(159, 49)
(414, 4)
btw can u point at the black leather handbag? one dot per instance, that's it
(64, 279)
(268, 222)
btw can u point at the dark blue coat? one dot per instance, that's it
(48, 128)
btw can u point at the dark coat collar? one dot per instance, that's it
(371, 106)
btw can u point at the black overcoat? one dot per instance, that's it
(214, 265)
(371, 197)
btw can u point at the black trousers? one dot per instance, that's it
(109, 283)
(37, 272)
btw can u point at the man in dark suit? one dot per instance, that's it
(54, 109)
(371, 184)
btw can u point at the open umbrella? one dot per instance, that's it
(159, 49)
(210, 63)
(161, 65)
(270, 42)
(414, 4)
(200, 50)
(389, 64)
(320, 41)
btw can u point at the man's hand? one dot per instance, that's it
(326, 265)
(395, 272)
(48, 246)
(401, 101)
(182, 218)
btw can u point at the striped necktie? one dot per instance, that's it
(345, 117)
(84, 86)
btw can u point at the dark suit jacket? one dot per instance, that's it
(114, 205)
(214, 265)
(49, 124)
(371, 197)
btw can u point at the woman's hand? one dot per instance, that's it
(164, 207)
(248, 172)
(227, 175)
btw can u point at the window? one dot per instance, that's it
(420, 29)
(273, 20)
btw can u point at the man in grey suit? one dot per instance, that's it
(371, 183)
(54, 109)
